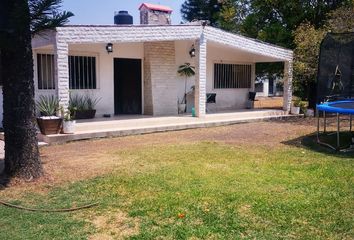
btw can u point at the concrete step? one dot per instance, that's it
(111, 131)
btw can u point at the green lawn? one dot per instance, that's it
(204, 190)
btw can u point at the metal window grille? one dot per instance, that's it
(45, 67)
(82, 72)
(232, 75)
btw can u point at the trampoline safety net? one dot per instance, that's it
(335, 79)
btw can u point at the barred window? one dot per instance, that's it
(232, 75)
(82, 72)
(45, 69)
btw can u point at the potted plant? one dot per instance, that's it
(186, 71)
(69, 123)
(48, 121)
(297, 105)
(83, 106)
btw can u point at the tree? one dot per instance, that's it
(341, 20)
(307, 40)
(201, 10)
(19, 20)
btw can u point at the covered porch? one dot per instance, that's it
(141, 124)
(160, 50)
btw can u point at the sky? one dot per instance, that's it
(102, 11)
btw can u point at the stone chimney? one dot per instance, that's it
(153, 14)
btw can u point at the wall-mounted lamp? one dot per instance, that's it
(109, 48)
(192, 51)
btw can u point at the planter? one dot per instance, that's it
(310, 113)
(182, 108)
(49, 125)
(69, 126)
(84, 114)
(295, 110)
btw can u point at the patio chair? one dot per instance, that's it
(210, 99)
(251, 99)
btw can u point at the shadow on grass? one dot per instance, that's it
(309, 142)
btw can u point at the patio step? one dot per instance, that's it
(119, 128)
(41, 142)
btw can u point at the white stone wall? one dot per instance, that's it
(248, 44)
(61, 66)
(201, 76)
(106, 34)
(160, 83)
(288, 89)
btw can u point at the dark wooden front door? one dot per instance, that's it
(127, 86)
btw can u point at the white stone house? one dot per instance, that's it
(140, 75)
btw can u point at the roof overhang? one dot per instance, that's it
(86, 34)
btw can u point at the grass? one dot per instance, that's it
(204, 190)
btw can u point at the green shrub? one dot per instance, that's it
(48, 105)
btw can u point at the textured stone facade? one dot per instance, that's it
(160, 85)
(247, 44)
(61, 52)
(288, 86)
(200, 76)
(154, 17)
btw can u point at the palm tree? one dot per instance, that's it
(20, 20)
(186, 71)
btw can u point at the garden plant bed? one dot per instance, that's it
(252, 181)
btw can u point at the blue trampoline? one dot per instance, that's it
(345, 107)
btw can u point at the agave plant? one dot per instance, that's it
(91, 102)
(82, 102)
(77, 103)
(48, 105)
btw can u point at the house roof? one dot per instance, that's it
(156, 7)
(85, 34)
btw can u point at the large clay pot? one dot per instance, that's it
(49, 125)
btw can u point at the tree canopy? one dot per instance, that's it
(296, 24)
(46, 14)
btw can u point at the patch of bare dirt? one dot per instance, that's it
(84, 159)
(115, 225)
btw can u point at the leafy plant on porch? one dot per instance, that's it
(186, 70)
(48, 105)
(83, 106)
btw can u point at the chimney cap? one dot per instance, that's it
(156, 7)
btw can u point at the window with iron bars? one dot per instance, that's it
(232, 76)
(82, 72)
(45, 70)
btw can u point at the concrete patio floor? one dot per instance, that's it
(141, 124)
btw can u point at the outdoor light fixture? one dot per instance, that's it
(192, 51)
(109, 48)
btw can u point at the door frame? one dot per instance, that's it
(142, 81)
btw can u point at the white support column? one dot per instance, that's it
(200, 76)
(61, 52)
(253, 77)
(288, 85)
